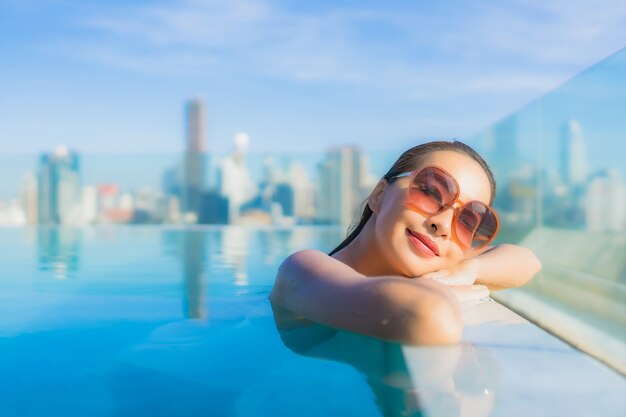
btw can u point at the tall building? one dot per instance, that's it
(214, 208)
(504, 153)
(606, 203)
(29, 198)
(59, 191)
(89, 199)
(233, 178)
(303, 192)
(196, 147)
(572, 165)
(342, 189)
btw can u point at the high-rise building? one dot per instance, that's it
(572, 165)
(29, 198)
(214, 208)
(284, 197)
(503, 146)
(59, 191)
(303, 192)
(606, 203)
(233, 178)
(342, 189)
(196, 147)
(90, 204)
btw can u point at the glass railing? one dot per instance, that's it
(561, 174)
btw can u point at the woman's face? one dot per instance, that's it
(397, 223)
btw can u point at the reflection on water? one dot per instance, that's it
(239, 259)
(58, 250)
(459, 380)
(212, 256)
(234, 245)
(193, 265)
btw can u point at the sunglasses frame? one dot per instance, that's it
(455, 201)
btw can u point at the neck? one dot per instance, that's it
(363, 254)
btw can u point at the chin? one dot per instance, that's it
(417, 266)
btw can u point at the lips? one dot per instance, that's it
(424, 243)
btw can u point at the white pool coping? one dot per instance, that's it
(562, 322)
(508, 366)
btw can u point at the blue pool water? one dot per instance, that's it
(156, 321)
(127, 321)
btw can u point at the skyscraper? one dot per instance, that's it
(29, 198)
(342, 176)
(59, 193)
(303, 192)
(573, 165)
(194, 170)
(504, 149)
(606, 202)
(233, 178)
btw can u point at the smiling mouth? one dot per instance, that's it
(424, 243)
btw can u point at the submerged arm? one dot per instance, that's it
(323, 289)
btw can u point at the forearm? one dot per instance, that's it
(392, 308)
(506, 266)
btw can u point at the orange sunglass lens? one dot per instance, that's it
(476, 225)
(432, 190)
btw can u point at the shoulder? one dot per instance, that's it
(302, 259)
(307, 255)
(311, 261)
(311, 271)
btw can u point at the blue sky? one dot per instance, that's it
(108, 77)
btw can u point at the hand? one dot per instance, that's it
(464, 273)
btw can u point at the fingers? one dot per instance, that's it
(470, 292)
(436, 274)
(453, 280)
(448, 278)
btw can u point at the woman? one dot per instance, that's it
(422, 245)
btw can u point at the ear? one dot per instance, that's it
(376, 196)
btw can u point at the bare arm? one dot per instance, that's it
(323, 289)
(507, 266)
(499, 267)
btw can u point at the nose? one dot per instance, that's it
(441, 224)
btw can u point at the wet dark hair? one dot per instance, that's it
(407, 162)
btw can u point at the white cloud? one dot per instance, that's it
(512, 82)
(539, 44)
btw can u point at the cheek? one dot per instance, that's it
(454, 255)
(389, 234)
(388, 219)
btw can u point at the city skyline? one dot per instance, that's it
(567, 194)
(549, 159)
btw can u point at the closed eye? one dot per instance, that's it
(469, 220)
(431, 191)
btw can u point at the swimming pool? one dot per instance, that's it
(173, 321)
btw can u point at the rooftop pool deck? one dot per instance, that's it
(127, 321)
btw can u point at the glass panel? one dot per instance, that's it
(560, 168)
